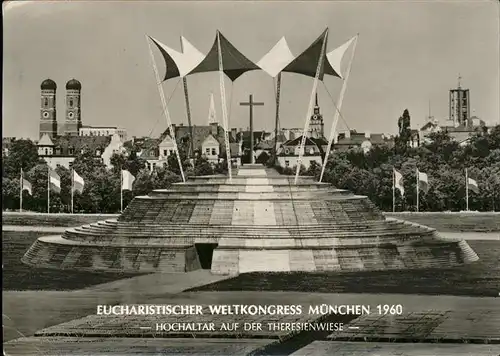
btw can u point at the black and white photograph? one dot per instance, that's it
(255, 178)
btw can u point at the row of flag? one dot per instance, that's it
(54, 182)
(77, 185)
(423, 182)
(423, 185)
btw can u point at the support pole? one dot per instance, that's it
(48, 189)
(393, 191)
(72, 187)
(311, 103)
(165, 108)
(277, 119)
(252, 143)
(466, 190)
(337, 111)
(417, 190)
(121, 190)
(188, 112)
(224, 109)
(21, 193)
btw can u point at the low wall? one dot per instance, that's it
(453, 222)
(466, 222)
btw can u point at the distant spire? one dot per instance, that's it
(211, 111)
(459, 81)
(317, 99)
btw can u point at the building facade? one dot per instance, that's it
(73, 123)
(60, 147)
(208, 141)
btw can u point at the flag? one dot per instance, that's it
(78, 183)
(54, 181)
(423, 182)
(472, 185)
(398, 182)
(26, 186)
(127, 180)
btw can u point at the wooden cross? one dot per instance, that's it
(251, 104)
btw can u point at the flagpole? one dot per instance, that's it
(165, 108)
(21, 193)
(393, 191)
(224, 108)
(311, 102)
(466, 190)
(48, 189)
(417, 190)
(337, 109)
(121, 191)
(277, 119)
(72, 187)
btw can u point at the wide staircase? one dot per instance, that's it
(258, 221)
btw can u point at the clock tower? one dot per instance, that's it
(316, 126)
(48, 119)
(73, 119)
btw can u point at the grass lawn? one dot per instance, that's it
(18, 276)
(481, 278)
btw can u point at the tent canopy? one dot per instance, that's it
(179, 64)
(307, 62)
(234, 62)
(277, 58)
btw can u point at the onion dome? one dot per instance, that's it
(48, 84)
(73, 84)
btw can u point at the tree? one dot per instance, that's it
(263, 158)
(202, 167)
(164, 178)
(10, 193)
(403, 139)
(314, 169)
(144, 182)
(130, 162)
(23, 154)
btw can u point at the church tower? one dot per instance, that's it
(316, 125)
(73, 119)
(460, 105)
(48, 119)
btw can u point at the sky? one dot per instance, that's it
(409, 54)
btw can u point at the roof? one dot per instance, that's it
(297, 141)
(182, 134)
(357, 138)
(45, 141)
(48, 84)
(461, 128)
(428, 126)
(265, 145)
(99, 127)
(147, 147)
(73, 84)
(319, 141)
(245, 136)
(63, 144)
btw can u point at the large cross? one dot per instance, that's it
(251, 104)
